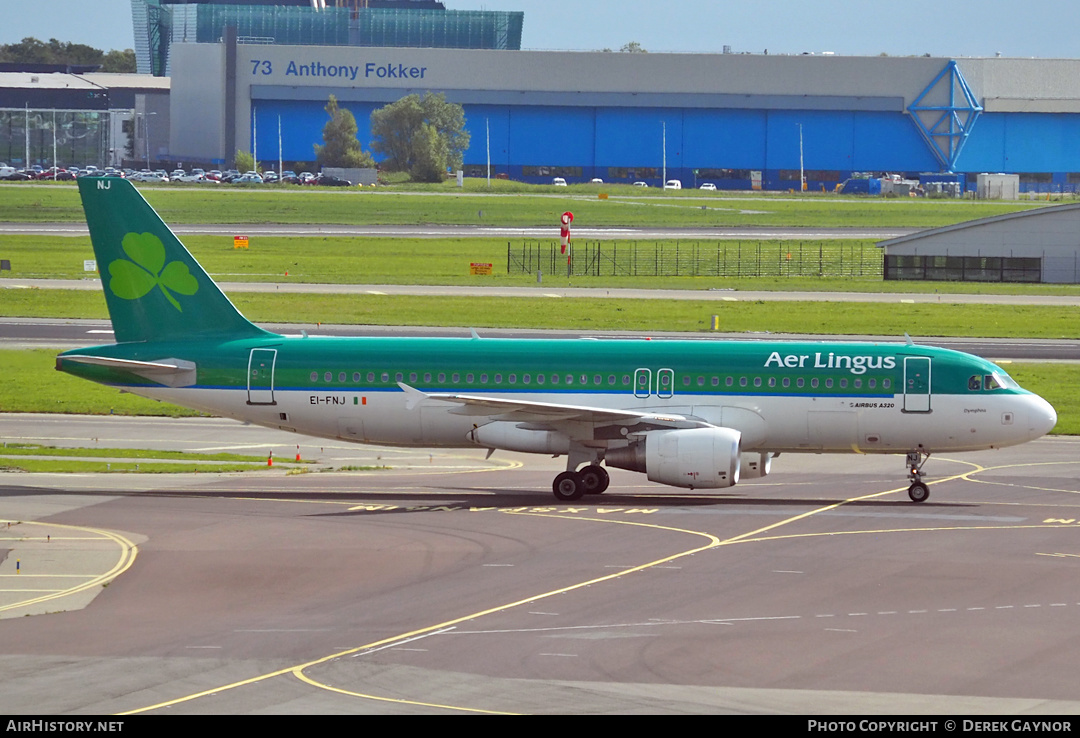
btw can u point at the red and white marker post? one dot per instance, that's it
(564, 236)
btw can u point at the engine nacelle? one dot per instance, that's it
(755, 464)
(698, 458)
(506, 435)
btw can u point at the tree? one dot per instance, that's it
(245, 162)
(33, 51)
(342, 148)
(422, 135)
(633, 47)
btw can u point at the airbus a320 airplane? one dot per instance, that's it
(692, 414)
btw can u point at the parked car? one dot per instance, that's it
(326, 180)
(596, 180)
(148, 176)
(707, 186)
(248, 178)
(56, 173)
(673, 184)
(559, 182)
(639, 183)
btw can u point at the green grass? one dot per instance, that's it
(602, 314)
(509, 205)
(27, 458)
(28, 449)
(74, 466)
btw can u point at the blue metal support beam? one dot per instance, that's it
(947, 118)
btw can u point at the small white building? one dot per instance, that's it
(1041, 245)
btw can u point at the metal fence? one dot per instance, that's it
(836, 258)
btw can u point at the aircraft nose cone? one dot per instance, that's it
(1041, 416)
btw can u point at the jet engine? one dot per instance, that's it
(698, 458)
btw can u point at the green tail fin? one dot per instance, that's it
(154, 288)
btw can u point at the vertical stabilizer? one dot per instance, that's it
(154, 288)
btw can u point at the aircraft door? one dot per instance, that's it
(261, 376)
(665, 383)
(642, 383)
(917, 384)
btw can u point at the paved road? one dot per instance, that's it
(715, 295)
(450, 583)
(469, 231)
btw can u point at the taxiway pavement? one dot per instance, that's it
(454, 583)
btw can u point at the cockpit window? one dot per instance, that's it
(975, 383)
(998, 380)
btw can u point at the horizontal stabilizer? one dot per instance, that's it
(169, 372)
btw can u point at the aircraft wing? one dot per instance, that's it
(549, 414)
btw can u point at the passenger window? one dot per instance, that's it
(814, 382)
(828, 383)
(554, 378)
(427, 376)
(498, 379)
(328, 377)
(314, 376)
(442, 378)
(772, 381)
(371, 376)
(356, 377)
(701, 381)
(757, 381)
(742, 381)
(597, 379)
(341, 377)
(799, 382)
(716, 381)
(686, 381)
(540, 378)
(386, 376)
(456, 378)
(526, 378)
(412, 377)
(483, 379)
(787, 382)
(399, 377)
(871, 383)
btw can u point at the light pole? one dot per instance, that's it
(146, 133)
(802, 171)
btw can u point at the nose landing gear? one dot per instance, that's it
(918, 491)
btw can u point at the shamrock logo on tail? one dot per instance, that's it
(147, 270)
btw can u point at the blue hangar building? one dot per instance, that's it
(740, 121)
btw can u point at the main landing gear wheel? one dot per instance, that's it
(595, 479)
(918, 492)
(568, 486)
